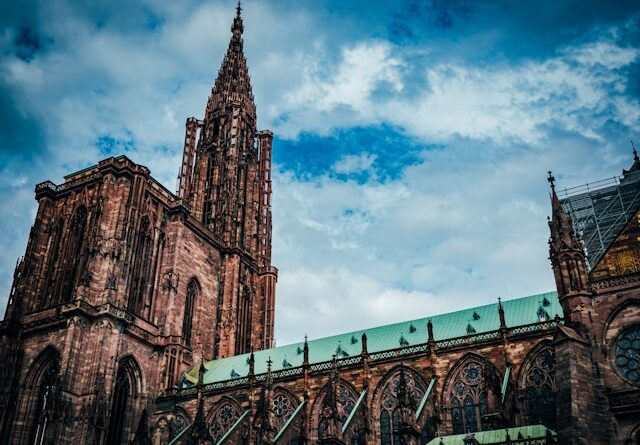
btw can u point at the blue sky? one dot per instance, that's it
(412, 137)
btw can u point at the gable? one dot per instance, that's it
(622, 257)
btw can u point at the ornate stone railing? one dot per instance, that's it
(615, 282)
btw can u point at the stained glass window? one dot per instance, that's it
(469, 397)
(283, 407)
(223, 419)
(627, 354)
(539, 389)
(347, 399)
(389, 422)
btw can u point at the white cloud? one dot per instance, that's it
(355, 163)
(579, 87)
(462, 226)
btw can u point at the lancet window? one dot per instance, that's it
(44, 404)
(193, 289)
(73, 259)
(142, 276)
(117, 419)
(539, 388)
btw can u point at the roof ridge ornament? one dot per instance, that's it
(635, 152)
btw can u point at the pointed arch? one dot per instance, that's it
(385, 401)
(284, 404)
(40, 395)
(54, 248)
(180, 421)
(470, 393)
(347, 397)
(72, 257)
(191, 300)
(127, 387)
(142, 279)
(536, 382)
(222, 416)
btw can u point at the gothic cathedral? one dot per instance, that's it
(140, 316)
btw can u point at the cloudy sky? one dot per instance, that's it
(412, 137)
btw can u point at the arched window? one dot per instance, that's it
(469, 394)
(125, 388)
(74, 259)
(117, 419)
(53, 254)
(142, 274)
(539, 388)
(283, 407)
(389, 414)
(44, 404)
(189, 308)
(222, 419)
(346, 398)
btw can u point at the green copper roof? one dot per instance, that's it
(497, 436)
(472, 321)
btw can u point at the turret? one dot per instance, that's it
(567, 259)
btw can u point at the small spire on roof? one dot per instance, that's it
(201, 371)
(429, 330)
(503, 323)
(551, 180)
(364, 344)
(635, 152)
(555, 201)
(305, 351)
(251, 362)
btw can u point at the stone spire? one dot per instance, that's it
(233, 84)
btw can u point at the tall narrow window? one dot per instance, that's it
(42, 417)
(539, 389)
(53, 254)
(117, 419)
(189, 309)
(74, 257)
(141, 275)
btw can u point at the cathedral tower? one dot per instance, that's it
(125, 285)
(226, 181)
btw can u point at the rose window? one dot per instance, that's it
(627, 354)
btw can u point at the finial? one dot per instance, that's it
(201, 371)
(269, 362)
(503, 322)
(551, 181)
(635, 152)
(365, 350)
(238, 9)
(430, 331)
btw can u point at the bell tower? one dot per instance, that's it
(225, 180)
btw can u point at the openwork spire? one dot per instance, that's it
(233, 84)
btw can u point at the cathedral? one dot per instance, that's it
(142, 316)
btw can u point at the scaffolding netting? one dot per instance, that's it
(600, 211)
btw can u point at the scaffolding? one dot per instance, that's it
(601, 209)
